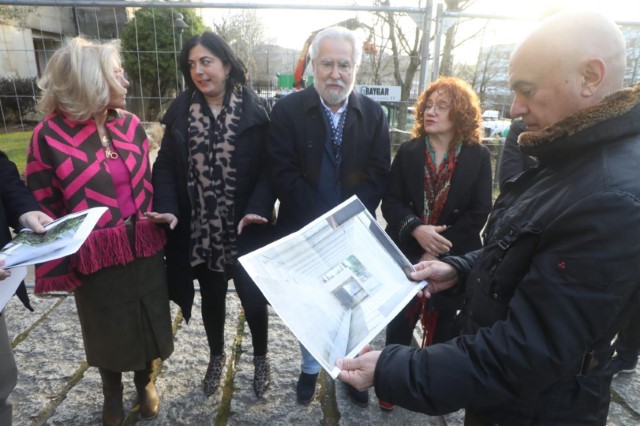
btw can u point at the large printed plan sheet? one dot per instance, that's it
(336, 283)
(63, 237)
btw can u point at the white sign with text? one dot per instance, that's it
(381, 93)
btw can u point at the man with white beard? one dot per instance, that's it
(327, 143)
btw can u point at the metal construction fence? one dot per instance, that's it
(151, 34)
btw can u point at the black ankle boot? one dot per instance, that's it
(261, 374)
(306, 387)
(212, 377)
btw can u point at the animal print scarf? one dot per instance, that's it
(212, 176)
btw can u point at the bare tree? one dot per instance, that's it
(244, 31)
(486, 70)
(632, 75)
(489, 76)
(376, 61)
(406, 44)
(446, 65)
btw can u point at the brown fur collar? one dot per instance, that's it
(614, 105)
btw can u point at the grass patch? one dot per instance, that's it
(15, 146)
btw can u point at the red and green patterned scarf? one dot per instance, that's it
(437, 180)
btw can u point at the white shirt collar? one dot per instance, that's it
(335, 117)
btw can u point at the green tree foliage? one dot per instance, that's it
(150, 48)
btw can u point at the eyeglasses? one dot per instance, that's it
(344, 67)
(439, 107)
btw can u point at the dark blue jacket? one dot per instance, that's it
(297, 140)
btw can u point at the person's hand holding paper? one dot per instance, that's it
(35, 220)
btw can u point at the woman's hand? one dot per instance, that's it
(429, 238)
(167, 218)
(249, 219)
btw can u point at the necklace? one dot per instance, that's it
(106, 144)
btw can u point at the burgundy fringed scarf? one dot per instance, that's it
(437, 182)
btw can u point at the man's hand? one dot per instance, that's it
(163, 218)
(440, 276)
(429, 238)
(358, 372)
(249, 219)
(34, 220)
(4, 273)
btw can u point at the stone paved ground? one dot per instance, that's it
(55, 386)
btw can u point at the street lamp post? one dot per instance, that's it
(178, 26)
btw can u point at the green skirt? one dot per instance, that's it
(124, 315)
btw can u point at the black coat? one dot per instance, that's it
(557, 277)
(512, 160)
(15, 200)
(296, 144)
(468, 203)
(253, 192)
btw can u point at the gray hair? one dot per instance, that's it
(338, 33)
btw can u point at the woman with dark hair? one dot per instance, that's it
(211, 183)
(439, 198)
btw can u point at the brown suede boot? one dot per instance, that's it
(147, 395)
(112, 409)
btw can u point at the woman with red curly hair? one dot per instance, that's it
(439, 198)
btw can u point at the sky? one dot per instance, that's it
(290, 28)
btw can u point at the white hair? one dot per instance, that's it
(338, 33)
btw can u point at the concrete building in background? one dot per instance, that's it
(30, 34)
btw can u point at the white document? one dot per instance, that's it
(9, 285)
(336, 283)
(63, 237)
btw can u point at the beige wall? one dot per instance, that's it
(17, 58)
(57, 20)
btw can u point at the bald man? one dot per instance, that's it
(560, 271)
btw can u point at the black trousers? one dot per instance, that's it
(213, 290)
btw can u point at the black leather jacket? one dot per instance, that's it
(557, 277)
